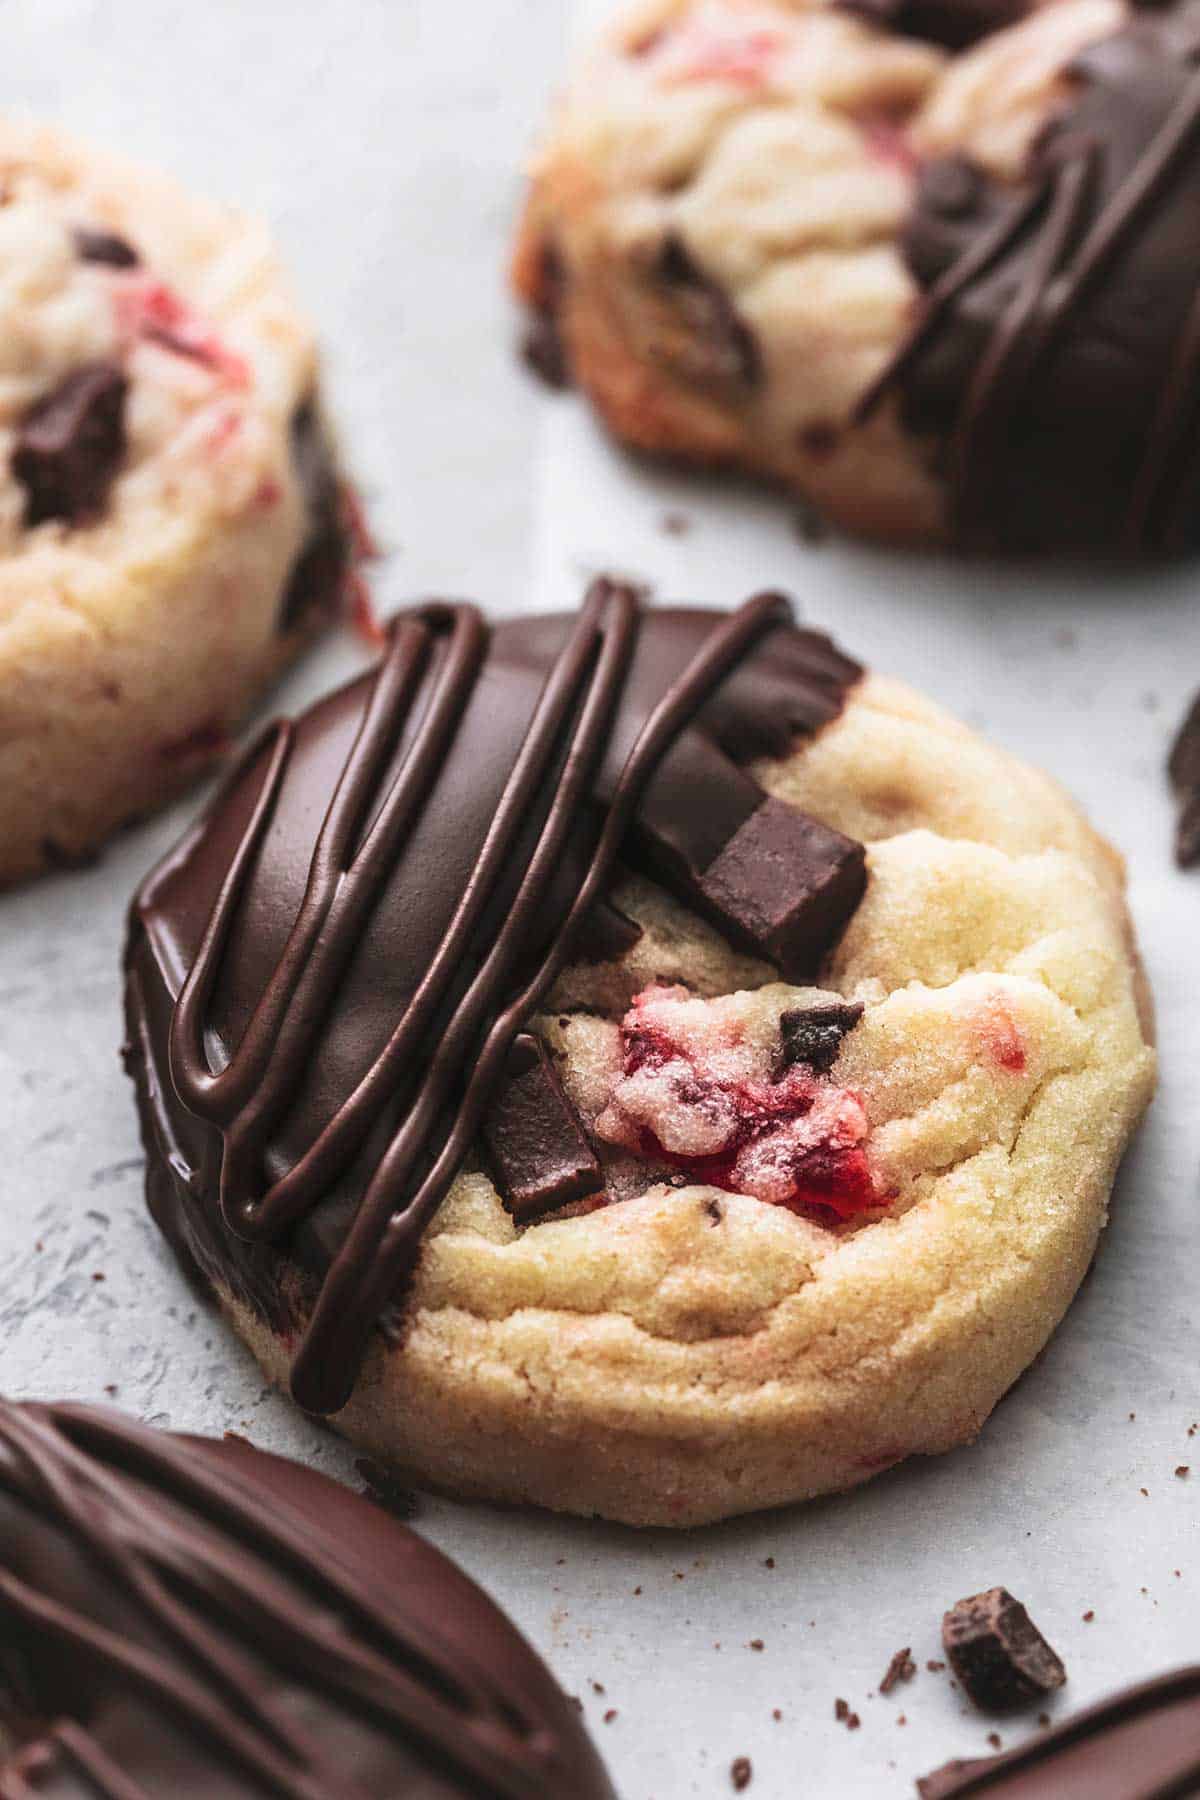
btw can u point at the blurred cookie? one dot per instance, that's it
(636, 1061)
(172, 527)
(926, 263)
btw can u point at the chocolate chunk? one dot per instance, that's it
(813, 1035)
(718, 349)
(1184, 770)
(317, 580)
(70, 445)
(785, 886)
(1139, 1744)
(533, 1137)
(606, 935)
(998, 1653)
(104, 247)
(954, 24)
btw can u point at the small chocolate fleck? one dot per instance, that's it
(998, 1653)
(901, 1668)
(70, 444)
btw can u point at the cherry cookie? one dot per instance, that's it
(927, 262)
(171, 524)
(634, 1061)
(182, 1619)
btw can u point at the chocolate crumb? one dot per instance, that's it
(1183, 1469)
(768, 1562)
(676, 524)
(901, 1668)
(998, 1653)
(935, 1667)
(1088, 1616)
(598, 1687)
(841, 1710)
(995, 1740)
(776, 1714)
(740, 1773)
(1043, 1720)
(610, 1715)
(757, 1644)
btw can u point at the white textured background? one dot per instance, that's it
(382, 141)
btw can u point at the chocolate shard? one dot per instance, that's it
(813, 1035)
(785, 887)
(95, 246)
(1139, 1743)
(534, 1140)
(70, 445)
(998, 1653)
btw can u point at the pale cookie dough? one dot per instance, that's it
(172, 529)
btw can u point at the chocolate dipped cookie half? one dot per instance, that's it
(636, 1061)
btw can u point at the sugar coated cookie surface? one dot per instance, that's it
(636, 1061)
(171, 524)
(927, 262)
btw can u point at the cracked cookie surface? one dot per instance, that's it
(171, 524)
(838, 1212)
(891, 261)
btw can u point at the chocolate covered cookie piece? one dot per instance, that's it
(183, 1619)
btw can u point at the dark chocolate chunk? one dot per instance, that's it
(191, 1617)
(813, 1034)
(1142, 1744)
(1184, 770)
(535, 1142)
(105, 247)
(605, 934)
(998, 1653)
(317, 580)
(954, 24)
(70, 445)
(785, 886)
(718, 348)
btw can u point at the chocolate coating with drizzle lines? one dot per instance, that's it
(194, 1619)
(1056, 351)
(327, 980)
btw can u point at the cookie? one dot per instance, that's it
(189, 1617)
(172, 526)
(925, 263)
(636, 1061)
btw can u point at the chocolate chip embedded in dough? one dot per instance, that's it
(70, 445)
(95, 246)
(813, 1034)
(534, 1140)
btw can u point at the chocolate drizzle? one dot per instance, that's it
(1143, 1744)
(1057, 350)
(341, 1012)
(197, 1618)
